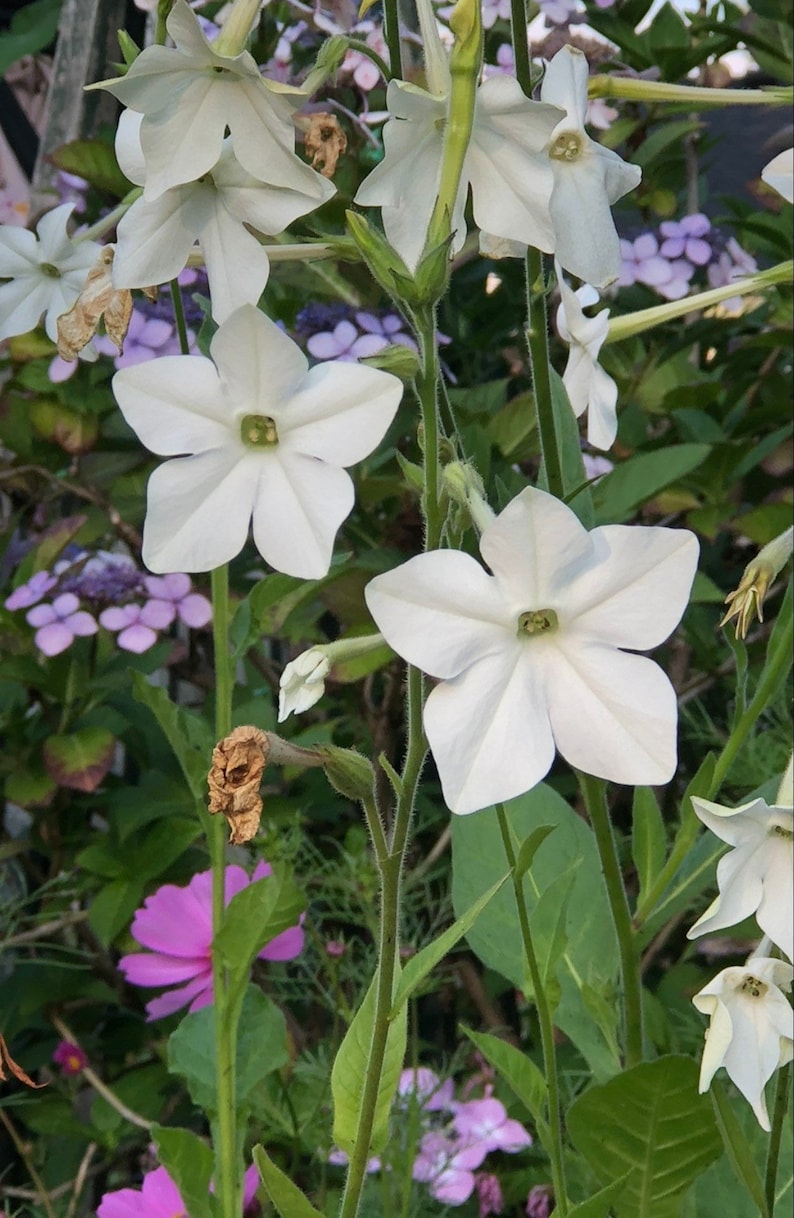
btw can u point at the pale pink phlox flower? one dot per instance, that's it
(174, 594)
(540, 1201)
(31, 592)
(344, 343)
(137, 624)
(426, 1087)
(175, 924)
(641, 262)
(684, 238)
(366, 74)
(485, 1123)
(447, 1167)
(599, 114)
(58, 624)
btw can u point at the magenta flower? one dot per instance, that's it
(137, 624)
(684, 238)
(489, 1192)
(344, 343)
(174, 594)
(158, 1197)
(175, 924)
(57, 625)
(447, 1167)
(70, 1058)
(31, 593)
(485, 1123)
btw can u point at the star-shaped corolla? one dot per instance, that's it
(265, 437)
(588, 178)
(46, 273)
(155, 238)
(751, 1029)
(530, 656)
(755, 877)
(189, 95)
(589, 387)
(509, 175)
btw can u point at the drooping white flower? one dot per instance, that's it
(155, 238)
(302, 683)
(530, 657)
(588, 178)
(779, 174)
(264, 437)
(752, 1027)
(190, 94)
(46, 271)
(589, 387)
(755, 877)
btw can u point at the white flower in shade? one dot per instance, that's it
(46, 273)
(755, 877)
(265, 437)
(530, 656)
(752, 1027)
(779, 174)
(190, 94)
(588, 178)
(302, 683)
(589, 387)
(155, 238)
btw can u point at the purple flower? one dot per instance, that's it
(104, 578)
(642, 263)
(684, 238)
(540, 1201)
(559, 12)
(174, 593)
(147, 338)
(70, 1058)
(158, 1197)
(344, 343)
(489, 1192)
(137, 624)
(447, 1167)
(390, 328)
(58, 624)
(485, 1123)
(31, 593)
(681, 271)
(175, 924)
(424, 1084)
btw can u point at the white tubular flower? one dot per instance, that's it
(779, 174)
(302, 683)
(588, 178)
(46, 273)
(530, 657)
(752, 1027)
(155, 238)
(265, 437)
(189, 95)
(589, 387)
(755, 877)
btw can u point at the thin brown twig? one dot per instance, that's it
(80, 1178)
(46, 929)
(42, 1194)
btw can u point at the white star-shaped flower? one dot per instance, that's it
(189, 95)
(264, 437)
(155, 238)
(779, 174)
(752, 1027)
(755, 877)
(589, 387)
(46, 273)
(530, 656)
(302, 683)
(588, 178)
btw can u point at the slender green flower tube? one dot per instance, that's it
(237, 27)
(635, 323)
(696, 96)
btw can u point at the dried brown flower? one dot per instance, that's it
(325, 143)
(97, 299)
(238, 762)
(17, 1071)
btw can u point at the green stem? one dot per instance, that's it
(594, 793)
(361, 48)
(538, 344)
(773, 1152)
(518, 34)
(227, 1182)
(427, 381)
(179, 316)
(391, 34)
(545, 1021)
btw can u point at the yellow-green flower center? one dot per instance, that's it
(537, 621)
(567, 146)
(754, 987)
(49, 270)
(782, 831)
(258, 431)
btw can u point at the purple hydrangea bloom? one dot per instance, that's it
(147, 338)
(173, 594)
(642, 262)
(137, 624)
(390, 328)
(677, 285)
(32, 592)
(684, 238)
(57, 625)
(105, 578)
(344, 343)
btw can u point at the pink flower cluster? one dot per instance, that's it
(175, 925)
(158, 1197)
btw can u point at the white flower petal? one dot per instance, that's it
(260, 365)
(237, 265)
(779, 174)
(22, 302)
(174, 404)
(734, 825)
(341, 412)
(565, 84)
(775, 913)
(129, 152)
(155, 238)
(300, 504)
(18, 251)
(718, 1038)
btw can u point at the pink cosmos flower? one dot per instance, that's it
(158, 1197)
(175, 595)
(137, 624)
(175, 924)
(447, 1167)
(57, 625)
(485, 1123)
(70, 1058)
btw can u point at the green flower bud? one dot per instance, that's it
(349, 772)
(397, 359)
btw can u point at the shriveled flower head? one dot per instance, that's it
(175, 925)
(532, 656)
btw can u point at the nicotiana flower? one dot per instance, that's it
(175, 924)
(302, 683)
(189, 95)
(45, 272)
(530, 656)
(755, 877)
(158, 1197)
(589, 387)
(59, 624)
(779, 174)
(155, 237)
(751, 1032)
(265, 437)
(588, 178)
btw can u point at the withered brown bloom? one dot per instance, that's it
(325, 143)
(98, 298)
(238, 762)
(17, 1071)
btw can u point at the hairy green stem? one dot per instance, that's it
(179, 316)
(427, 381)
(773, 1152)
(545, 1021)
(518, 34)
(538, 344)
(594, 793)
(391, 34)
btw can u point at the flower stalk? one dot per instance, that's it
(538, 345)
(697, 96)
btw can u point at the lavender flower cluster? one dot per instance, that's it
(668, 259)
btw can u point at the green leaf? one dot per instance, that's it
(667, 134)
(737, 1147)
(261, 1049)
(80, 760)
(648, 839)
(112, 908)
(95, 161)
(637, 480)
(286, 1196)
(426, 960)
(189, 1163)
(569, 447)
(649, 1122)
(529, 848)
(601, 1203)
(190, 738)
(32, 29)
(350, 1068)
(518, 1071)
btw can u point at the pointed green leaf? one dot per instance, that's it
(529, 848)
(518, 1071)
(189, 736)
(737, 1147)
(648, 839)
(601, 1203)
(189, 1163)
(286, 1196)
